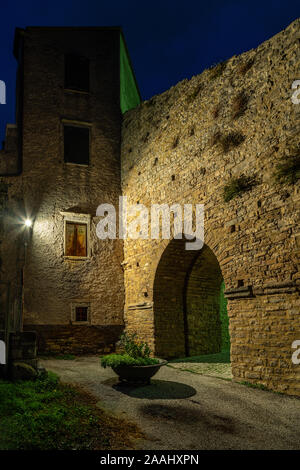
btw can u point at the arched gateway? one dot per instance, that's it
(187, 302)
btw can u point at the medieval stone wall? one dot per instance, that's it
(183, 146)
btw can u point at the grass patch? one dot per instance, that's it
(219, 358)
(195, 93)
(217, 70)
(245, 66)
(254, 385)
(239, 105)
(288, 171)
(47, 415)
(237, 186)
(229, 141)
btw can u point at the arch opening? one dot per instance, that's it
(190, 311)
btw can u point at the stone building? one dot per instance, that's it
(228, 138)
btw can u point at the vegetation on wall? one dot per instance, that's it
(237, 186)
(245, 66)
(195, 93)
(228, 141)
(288, 170)
(217, 70)
(239, 105)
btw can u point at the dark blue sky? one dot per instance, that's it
(168, 40)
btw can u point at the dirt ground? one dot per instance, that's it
(184, 410)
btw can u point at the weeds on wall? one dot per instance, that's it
(217, 70)
(195, 93)
(288, 170)
(245, 66)
(239, 105)
(228, 141)
(238, 186)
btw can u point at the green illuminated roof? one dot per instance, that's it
(129, 92)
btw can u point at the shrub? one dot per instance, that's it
(237, 186)
(229, 141)
(245, 66)
(114, 360)
(217, 70)
(195, 93)
(136, 353)
(133, 347)
(288, 171)
(239, 105)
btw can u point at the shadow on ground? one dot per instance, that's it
(220, 358)
(184, 415)
(157, 389)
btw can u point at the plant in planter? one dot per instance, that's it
(134, 365)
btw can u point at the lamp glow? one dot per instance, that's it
(28, 223)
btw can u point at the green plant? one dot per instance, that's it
(288, 171)
(133, 347)
(195, 92)
(47, 415)
(245, 66)
(217, 70)
(136, 353)
(229, 141)
(239, 105)
(115, 360)
(237, 186)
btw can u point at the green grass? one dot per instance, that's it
(223, 357)
(288, 170)
(238, 186)
(47, 415)
(254, 385)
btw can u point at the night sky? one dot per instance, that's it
(167, 40)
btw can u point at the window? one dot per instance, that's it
(76, 144)
(76, 235)
(81, 313)
(76, 239)
(77, 73)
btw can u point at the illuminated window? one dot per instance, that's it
(77, 73)
(76, 239)
(76, 144)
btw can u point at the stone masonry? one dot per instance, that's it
(183, 146)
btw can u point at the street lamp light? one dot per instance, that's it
(28, 223)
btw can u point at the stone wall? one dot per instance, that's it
(76, 339)
(184, 146)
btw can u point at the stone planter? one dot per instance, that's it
(137, 375)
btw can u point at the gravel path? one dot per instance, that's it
(181, 410)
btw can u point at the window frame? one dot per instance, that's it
(80, 303)
(82, 125)
(73, 218)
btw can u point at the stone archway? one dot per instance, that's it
(187, 288)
